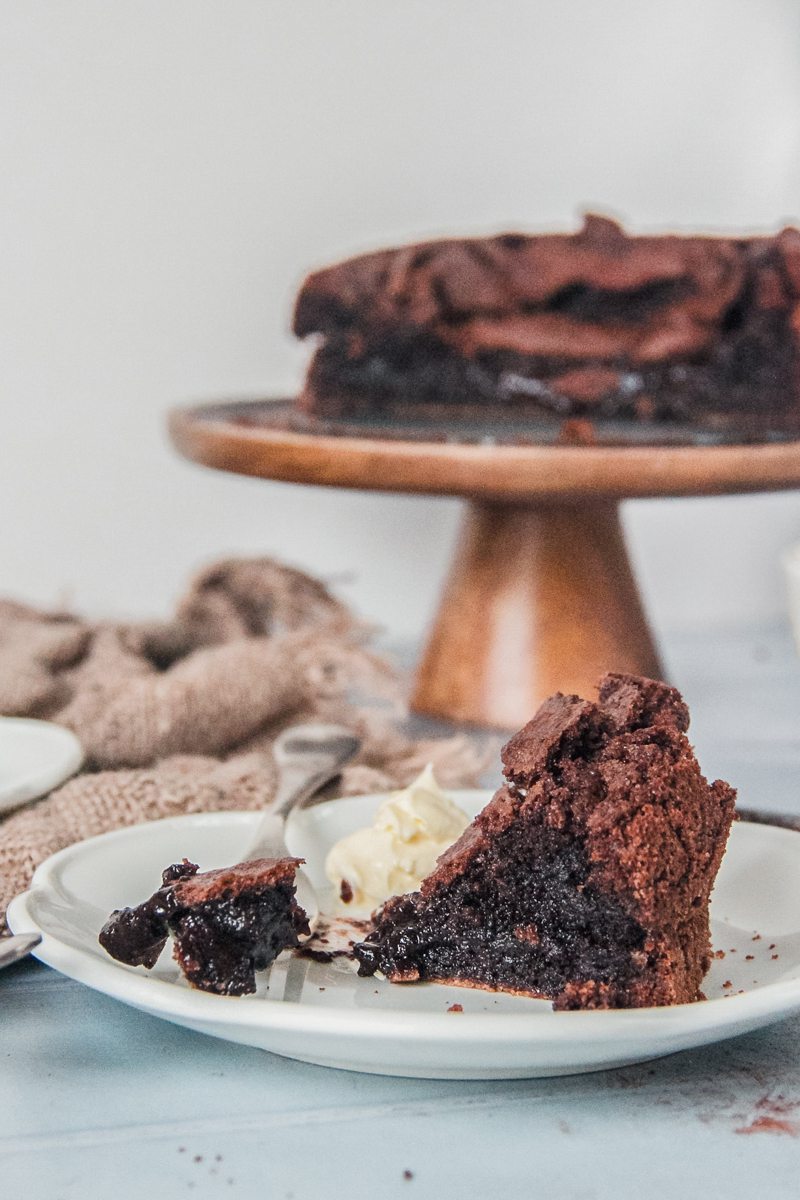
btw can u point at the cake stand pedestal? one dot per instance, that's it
(540, 595)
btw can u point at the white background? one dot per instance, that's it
(171, 169)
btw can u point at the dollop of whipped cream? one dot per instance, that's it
(394, 854)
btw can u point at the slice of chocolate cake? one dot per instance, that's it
(534, 331)
(587, 877)
(226, 924)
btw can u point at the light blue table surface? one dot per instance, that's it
(98, 1100)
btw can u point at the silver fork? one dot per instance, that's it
(307, 757)
(15, 947)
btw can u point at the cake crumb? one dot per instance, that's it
(719, 954)
(577, 431)
(774, 956)
(756, 937)
(456, 1008)
(770, 1125)
(772, 945)
(749, 957)
(197, 1158)
(408, 1174)
(727, 983)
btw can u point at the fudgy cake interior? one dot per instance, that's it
(226, 924)
(702, 331)
(587, 877)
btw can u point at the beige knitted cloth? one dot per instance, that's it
(179, 716)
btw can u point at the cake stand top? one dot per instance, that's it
(262, 438)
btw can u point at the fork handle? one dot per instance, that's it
(298, 784)
(295, 785)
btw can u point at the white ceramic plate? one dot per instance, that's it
(35, 757)
(323, 1013)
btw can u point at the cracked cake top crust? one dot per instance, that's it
(649, 831)
(519, 328)
(596, 294)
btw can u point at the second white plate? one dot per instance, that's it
(35, 757)
(323, 1013)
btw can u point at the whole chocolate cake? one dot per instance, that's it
(587, 877)
(226, 924)
(539, 331)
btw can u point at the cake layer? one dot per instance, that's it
(676, 329)
(587, 877)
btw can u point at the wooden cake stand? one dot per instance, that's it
(540, 596)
